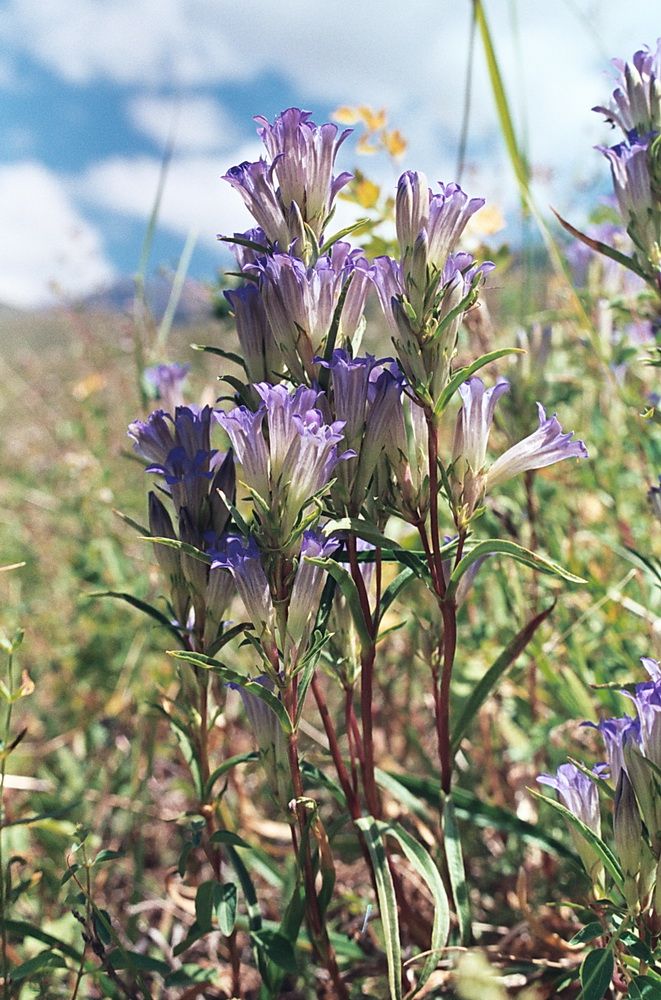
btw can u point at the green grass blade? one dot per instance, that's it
(176, 290)
(498, 668)
(519, 161)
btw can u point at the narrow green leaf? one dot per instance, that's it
(496, 671)
(176, 290)
(346, 584)
(393, 590)
(102, 925)
(136, 960)
(521, 168)
(328, 243)
(227, 765)
(204, 901)
(493, 546)
(175, 543)
(463, 374)
(140, 528)
(44, 960)
(147, 609)
(106, 855)
(247, 887)
(602, 849)
(426, 868)
(234, 677)
(21, 929)
(228, 355)
(603, 248)
(317, 778)
(596, 973)
(387, 902)
(468, 806)
(241, 241)
(224, 902)
(228, 837)
(456, 870)
(226, 636)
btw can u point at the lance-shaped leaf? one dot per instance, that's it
(465, 373)
(228, 355)
(603, 248)
(227, 765)
(456, 870)
(610, 861)
(425, 867)
(234, 677)
(496, 671)
(135, 602)
(175, 543)
(346, 584)
(387, 902)
(492, 546)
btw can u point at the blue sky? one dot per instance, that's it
(90, 90)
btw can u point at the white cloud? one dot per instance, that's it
(195, 124)
(194, 198)
(45, 244)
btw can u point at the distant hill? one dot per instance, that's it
(195, 301)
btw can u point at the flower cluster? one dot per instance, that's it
(319, 433)
(633, 752)
(635, 162)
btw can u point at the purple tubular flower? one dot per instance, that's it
(579, 794)
(167, 382)
(305, 595)
(300, 302)
(179, 449)
(363, 397)
(244, 429)
(474, 421)
(630, 168)
(411, 208)
(471, 435)
(637, 99)
(218, 594)
(614, 732)
(242, 558)
(543, 447)
(647, 700)
(407, 452)
(449, 213)
(428, 226)
(262, 358)
(303, 155)
(254, 182)
(301, 455)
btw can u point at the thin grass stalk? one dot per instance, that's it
(3, 816)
